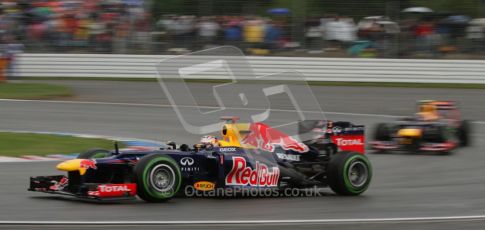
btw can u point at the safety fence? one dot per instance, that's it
(313, 69)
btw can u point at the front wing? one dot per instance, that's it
(59, 184)
(425, 147)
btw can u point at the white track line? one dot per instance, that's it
(182, 106)
(201, 107)
(249, 222)
(164, 105)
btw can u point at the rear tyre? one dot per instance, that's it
(464, 133)
(157, 177)
(94, 153)
(349, 173)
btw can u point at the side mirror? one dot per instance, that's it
(172, 145)
(184, 147)
(117, 148)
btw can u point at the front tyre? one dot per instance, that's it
(157, 177)
(382, 132)
(464, 133)
(349, 173)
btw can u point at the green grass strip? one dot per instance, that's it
(31, 91)
(18, 144)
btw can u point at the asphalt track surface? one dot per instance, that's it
(403, 186)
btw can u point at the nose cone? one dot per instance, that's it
(69, 165)
(75, 165)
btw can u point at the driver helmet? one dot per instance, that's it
(428, 112)
(208, 140)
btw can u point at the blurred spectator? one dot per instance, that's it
(233, 33)
(121, 36)
(341, 30)
(424, 32)
(10, 49)
(253, 33)
(376, 32)
(207, 31)
(475, 33)
(314, 35)
(184, 28)
(272, 36)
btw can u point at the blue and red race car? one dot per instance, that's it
(436, 127)
(249, 156)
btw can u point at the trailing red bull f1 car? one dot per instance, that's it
(253, 156)
(436, 127)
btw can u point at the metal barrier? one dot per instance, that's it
(314, 69)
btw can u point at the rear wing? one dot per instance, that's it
(343, 134)
(445, 105)
(440, 105)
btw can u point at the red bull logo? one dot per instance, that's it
(88, 164)
(266, 138)
(59, 185)
(261, 176)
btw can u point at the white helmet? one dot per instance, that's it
(208, 140)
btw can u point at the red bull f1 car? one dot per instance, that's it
(253, 156)
(436, 127)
